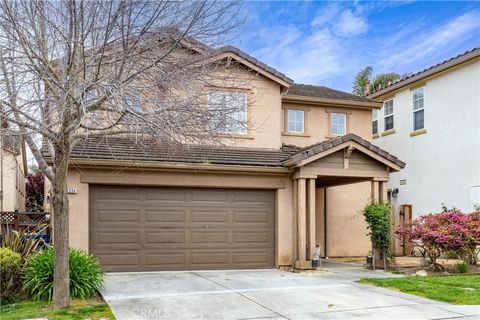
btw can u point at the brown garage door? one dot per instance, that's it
(136, 229)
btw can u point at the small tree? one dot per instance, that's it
(443, 232)
(377, 216)
(75, 70)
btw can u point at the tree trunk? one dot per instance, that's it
(61, 277)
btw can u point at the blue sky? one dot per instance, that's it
(326, 43)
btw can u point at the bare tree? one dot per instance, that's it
(74, 70)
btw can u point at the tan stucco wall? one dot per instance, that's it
(346, 228)
(79, 202)
(13, 182)
(317, 120)
(263, 105)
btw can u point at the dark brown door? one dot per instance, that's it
(143, 228)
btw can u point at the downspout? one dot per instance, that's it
(325, 220)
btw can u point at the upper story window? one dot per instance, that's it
(418, 109)
(388, 114)
(339, 124)
(375, 122)
(229, 111)
(296, 121)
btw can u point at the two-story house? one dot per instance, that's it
(431, 119)
(300, 171)
(13, 170)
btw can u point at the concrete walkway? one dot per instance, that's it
(268, 294)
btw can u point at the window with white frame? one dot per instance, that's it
(339, 124)
(228, 111)
(375, 122)
(418, 109)
(388, 114)
(296, 121)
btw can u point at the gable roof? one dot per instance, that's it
(358, 142)
(247, 59)
(310, 94)
(439, 67)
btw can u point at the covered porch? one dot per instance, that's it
(345, 161)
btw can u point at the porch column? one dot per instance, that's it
(375, 191)
(311, 219)
(295, 221)
(383, 192)
(301, 220)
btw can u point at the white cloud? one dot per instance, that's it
(431, 41)
(326, 15)
(350, 25)
(331, 47)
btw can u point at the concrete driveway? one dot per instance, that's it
(267, 294)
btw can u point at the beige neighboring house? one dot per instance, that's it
(297, 177)
(13, 171)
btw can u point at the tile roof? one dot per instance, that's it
(307, 90)
(254, 61)
(149, 150)
(467, 55)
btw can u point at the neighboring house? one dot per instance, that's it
(298, 176)
(13, 170)
(431, 119)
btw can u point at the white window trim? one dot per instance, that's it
(420, 109)
(385, 116)
(375, 118)
(295, 121)
(344, 124)
(244, 131)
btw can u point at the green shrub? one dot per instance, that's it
(377, 217)
(10, 276)
(86, 277)
(461, 267)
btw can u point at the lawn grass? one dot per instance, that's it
(453, 289)
(78, 309)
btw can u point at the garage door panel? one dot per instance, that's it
(248, 237)
(213, 215)
(165, 196)
(118, 216)
(117, 193)
(165, 260)
(251, 217)
(156, 238)
(206, 196)
(253, 198)
(165, 215)
(182, 228)
(252, 258)
(120, 261)
(202, 259)
(209, 237)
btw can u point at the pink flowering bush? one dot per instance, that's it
(435, 234)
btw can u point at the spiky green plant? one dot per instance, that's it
(86, 276)
(24, 242)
